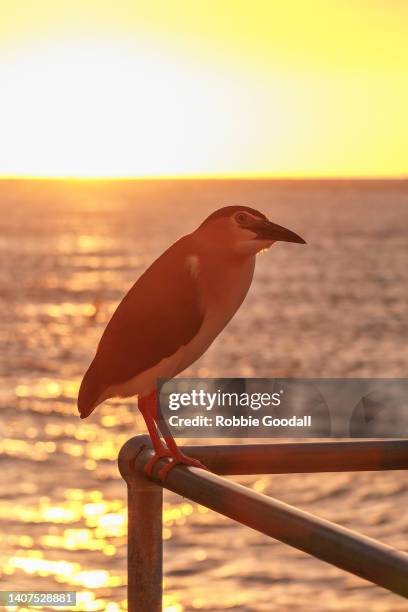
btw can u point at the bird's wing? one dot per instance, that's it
(160, 313)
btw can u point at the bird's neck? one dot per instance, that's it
(225, 278)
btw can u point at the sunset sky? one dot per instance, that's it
(102, 88)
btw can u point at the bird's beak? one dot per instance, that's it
(266, 230)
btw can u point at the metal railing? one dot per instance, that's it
(346, 549)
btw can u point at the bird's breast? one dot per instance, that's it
(223, 287)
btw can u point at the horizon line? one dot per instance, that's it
(212, 177)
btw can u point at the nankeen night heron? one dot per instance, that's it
(174, 311)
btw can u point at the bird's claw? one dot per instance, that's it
(148, 468)
(177, 460)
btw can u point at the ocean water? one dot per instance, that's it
(335, 308)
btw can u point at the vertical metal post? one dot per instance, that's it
(145, 543)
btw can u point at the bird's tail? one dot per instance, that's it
(90, 393)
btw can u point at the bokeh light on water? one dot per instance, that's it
(66, 266)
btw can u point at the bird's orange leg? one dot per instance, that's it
(147, 406)
(178, 457)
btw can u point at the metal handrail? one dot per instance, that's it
(353, 552)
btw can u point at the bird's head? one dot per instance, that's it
(244, 230)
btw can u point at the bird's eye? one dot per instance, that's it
(241, 217)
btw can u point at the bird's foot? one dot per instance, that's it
(178, 459)
(148, 468)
